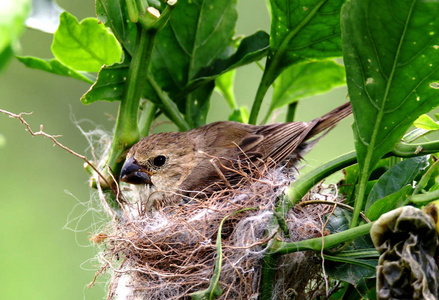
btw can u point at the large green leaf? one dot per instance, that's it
(113, 14)
(391, 58)
(352, 273)
(85, 46)
(54, 66)
(12, 16)
(197, 34)
(251, 48)
(400, 175)
(197, 41)
(304, 80)
(302, 30)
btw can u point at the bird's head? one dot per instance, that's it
(162, 160)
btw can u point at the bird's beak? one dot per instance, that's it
(133, 173)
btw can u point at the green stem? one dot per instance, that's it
(140, 7)
(274, 65)
(147, 118)
(420, 199)
(316, 244)
(133, 13)
(301, 186)
(363, 253)
(164, 18)
(262, 90)
(269, 266)
(292, 107)
(410, 150)
(168, 106)
(126, 132)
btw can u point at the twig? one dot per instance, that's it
(220, 174)
(342, 205)
(53, 138)
(323, 241)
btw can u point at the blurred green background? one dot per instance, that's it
(44, 190)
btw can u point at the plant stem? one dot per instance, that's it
(132, 10)
(274, 65)
(262, 90)
(301, 186)
(291, 111)
(126, 131)
(410, 150)
(269, 266)
(147, 118)
(420, 199)
(169, 107)
(317, 244)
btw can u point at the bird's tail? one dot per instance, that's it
(329, 120)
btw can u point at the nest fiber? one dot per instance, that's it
(169, 251)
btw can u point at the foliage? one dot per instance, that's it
(175, 55)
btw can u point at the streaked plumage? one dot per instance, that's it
(183, 162)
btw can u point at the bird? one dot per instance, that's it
(204, 160)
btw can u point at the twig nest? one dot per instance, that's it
(170, 251)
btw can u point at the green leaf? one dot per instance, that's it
(427, 180)
(197, 105)
(224, 86)
(425, 122)
(251, 48)
(85, 46)
(302, 30)
(5, 57)
(114, 14)
(44, 16)
(198, 33)
(435, 186)
(400, 175)
(177, 49)
(109, 85)
(304, 80)
(388, 203)
(351, 273)
(13, 14)
(54, 66)
(391, 63)
(347, 185)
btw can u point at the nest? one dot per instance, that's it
(170, 251)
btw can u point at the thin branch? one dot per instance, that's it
(53, 138)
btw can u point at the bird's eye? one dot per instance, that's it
(159, 160)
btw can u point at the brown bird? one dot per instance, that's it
(203, 159)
